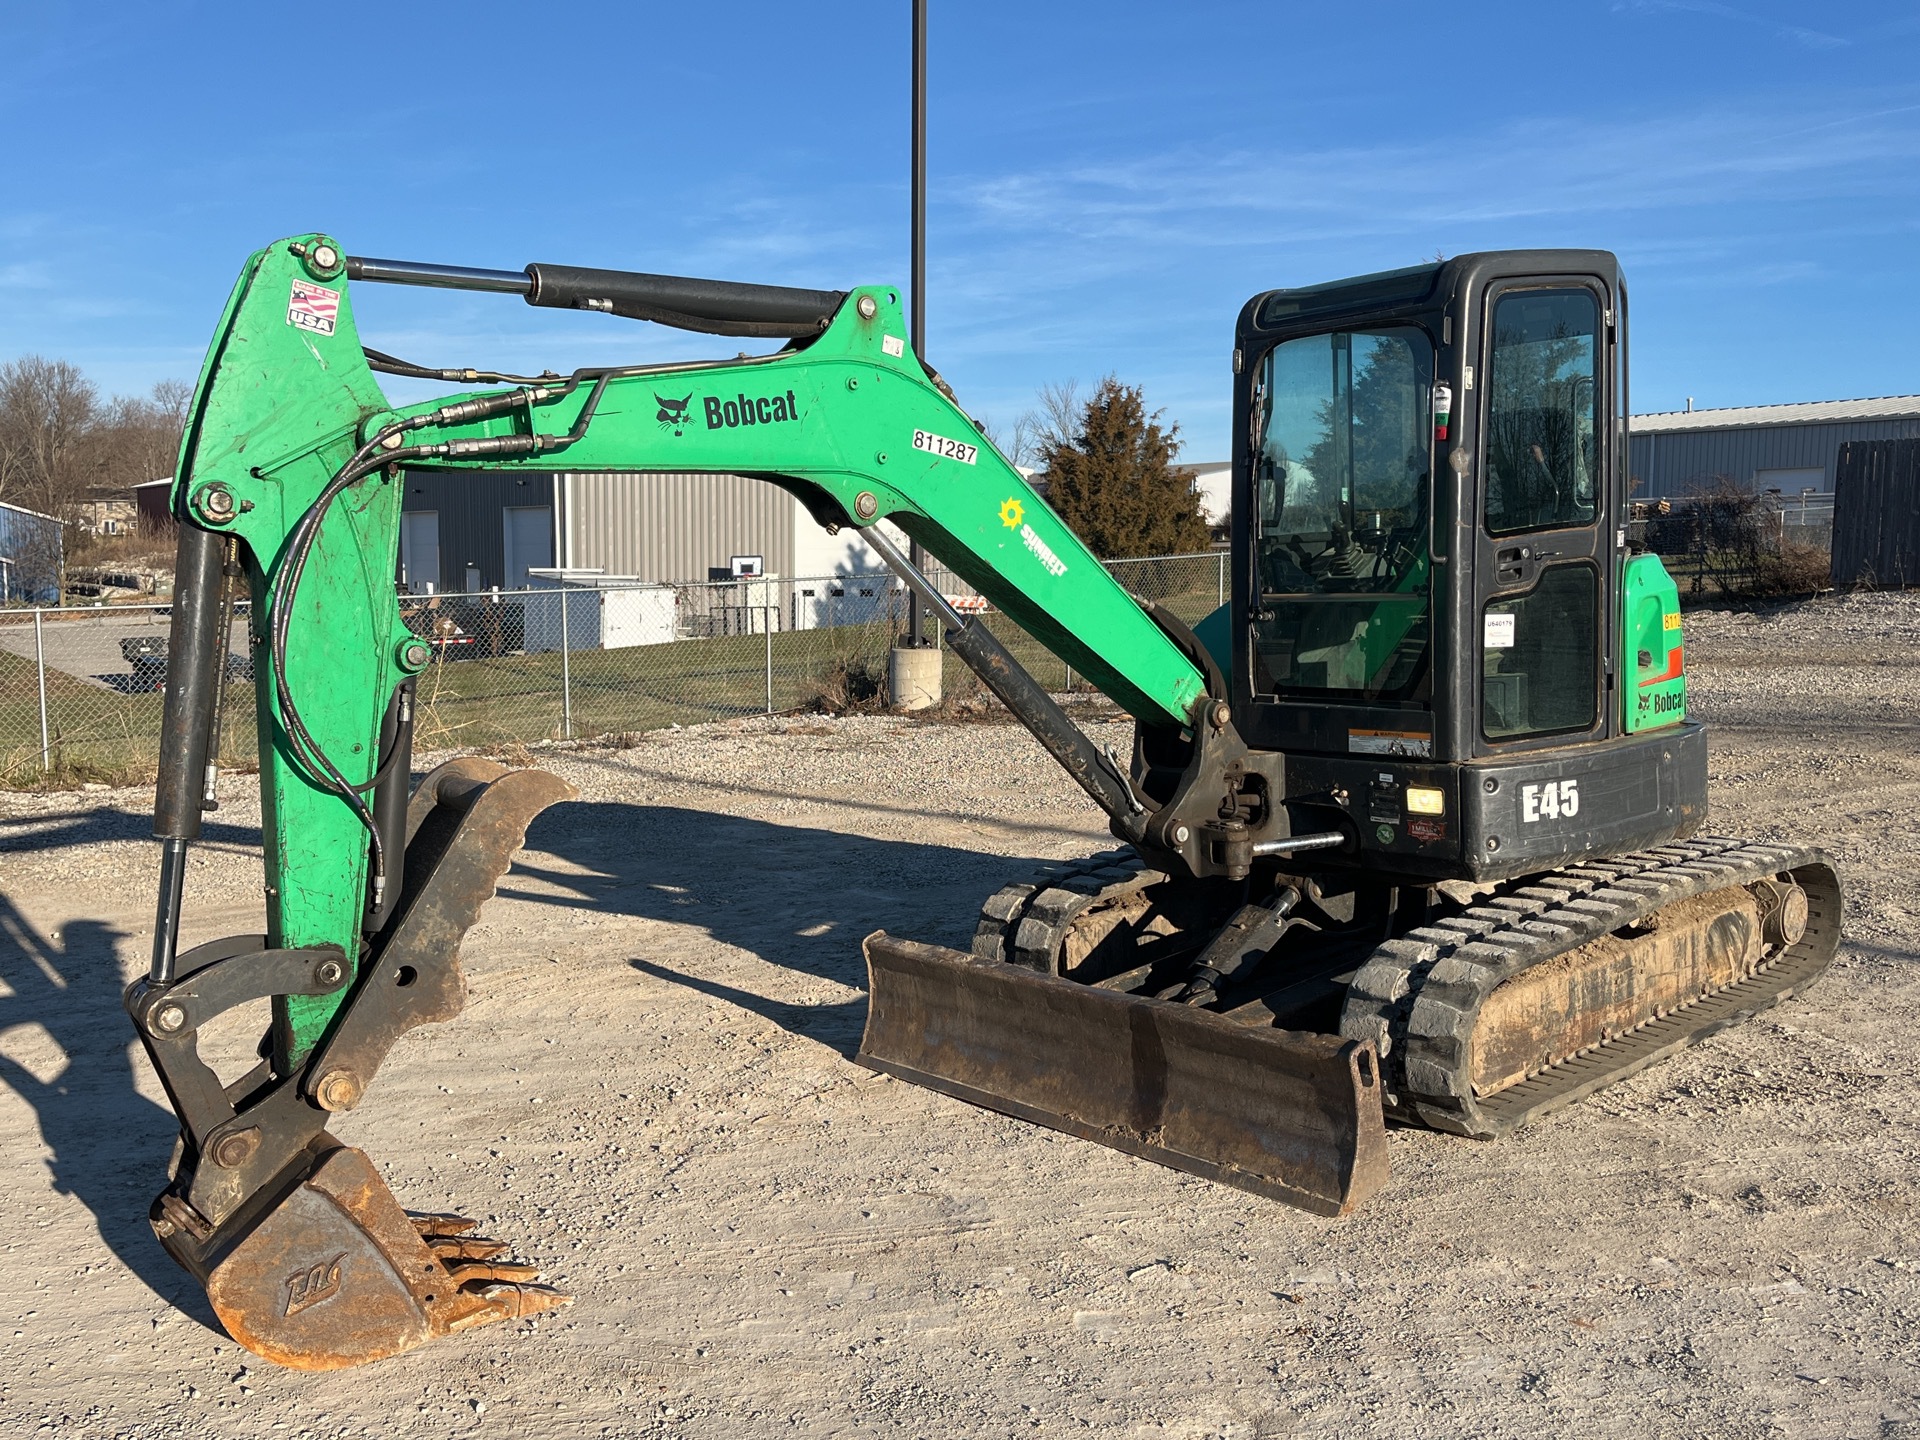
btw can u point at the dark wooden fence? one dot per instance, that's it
(1876, 513)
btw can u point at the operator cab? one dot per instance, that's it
(1429, 510)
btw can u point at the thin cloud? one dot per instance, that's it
(1797, 34)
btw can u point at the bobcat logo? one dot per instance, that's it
(673, 413)
(307, 1288)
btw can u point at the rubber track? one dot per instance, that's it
(1026, 923)
(1418, 998)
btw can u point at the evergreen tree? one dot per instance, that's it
(1110, 476)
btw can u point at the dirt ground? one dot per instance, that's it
(652, 1092)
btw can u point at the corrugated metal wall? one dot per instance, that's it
(674, 527)
(1670, 463)
(1876, 514)
(31, 545)
(471, 507)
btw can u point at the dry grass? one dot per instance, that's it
(853, 685)
(1797, 570)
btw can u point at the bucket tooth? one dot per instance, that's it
(1289, 1115)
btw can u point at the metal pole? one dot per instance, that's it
(919, 227)
(1223, 579)
(767, 622)
(40, 666)
(566, 665)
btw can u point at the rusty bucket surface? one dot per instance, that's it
(1289, 1115)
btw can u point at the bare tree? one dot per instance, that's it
(138, 440)
(48, 411)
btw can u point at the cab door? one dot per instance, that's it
(1544, 574)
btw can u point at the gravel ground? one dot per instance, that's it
(651, 1092)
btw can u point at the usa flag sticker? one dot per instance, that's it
(313, 307)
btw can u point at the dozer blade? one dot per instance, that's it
(337, 1274)
(1292, 1116)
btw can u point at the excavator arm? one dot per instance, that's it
(288, 493)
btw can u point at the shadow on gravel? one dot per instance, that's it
(23, 834)
(838, 1027)
(107, 1145)
(796, 897)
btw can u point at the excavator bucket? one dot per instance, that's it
(337, 1274)
(307, 1257)
(1293, 1116)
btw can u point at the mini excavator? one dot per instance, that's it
(1411, 831)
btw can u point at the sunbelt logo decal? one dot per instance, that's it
(1013, 515)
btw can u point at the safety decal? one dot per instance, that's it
(313, 307)
(1417, 744)
(947, 449)
(893, 345)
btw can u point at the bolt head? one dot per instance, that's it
(1181, 834)
(331, 972)
(867, 307)
(235, 1149)
(325, 257)
(216, 502)
(414, 654)
(393, 440)
(1222, 713)
(337, 1090)
(170, 1019)
(865, 505)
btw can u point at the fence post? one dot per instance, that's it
(1222, 569)
(767, 622)
(40, 668)
(566, 665)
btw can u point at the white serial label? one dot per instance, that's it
(1499, 630)
(893, 345)
(947, 449)
(1555, 800)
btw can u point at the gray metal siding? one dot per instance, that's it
(1670, 464)
(32, 547)
(471, 507)
(672, 526)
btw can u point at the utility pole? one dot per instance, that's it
(919, 228)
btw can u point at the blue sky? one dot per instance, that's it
(1110, 181)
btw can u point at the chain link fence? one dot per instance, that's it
(81, 687)
(1726, 542)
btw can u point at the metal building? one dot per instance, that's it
(1789, 448)
(32, 550)
(468, 531)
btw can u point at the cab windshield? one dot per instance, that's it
(1342, 466)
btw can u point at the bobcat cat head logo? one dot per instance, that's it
(673, 413)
